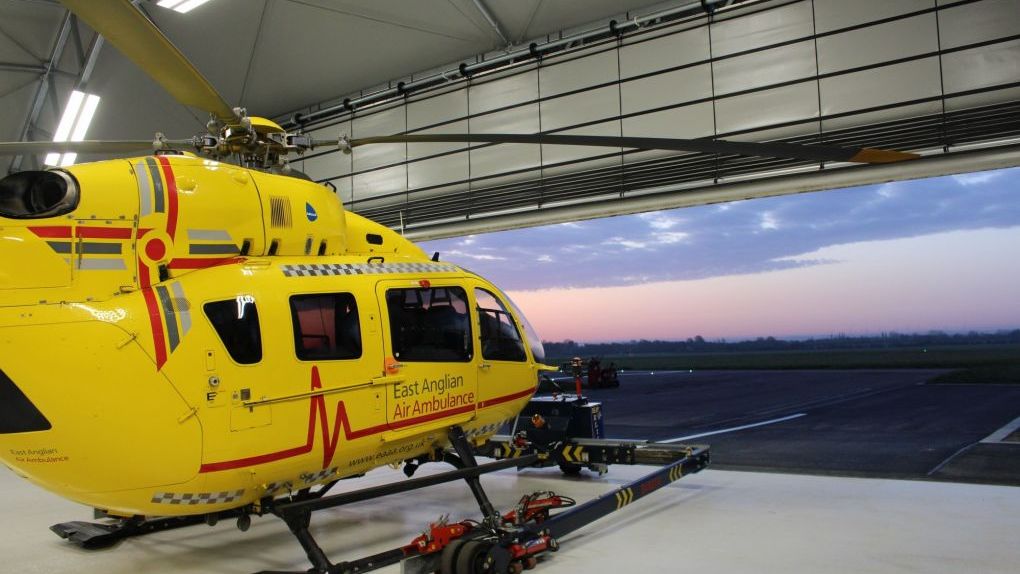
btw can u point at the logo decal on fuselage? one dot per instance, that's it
(310, 212)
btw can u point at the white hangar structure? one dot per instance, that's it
(942, 78)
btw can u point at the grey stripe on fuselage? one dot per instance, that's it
(182, 307)
(100, 248)
(144, 188)
(208, 235)
(95, 264)
(171, 320)
(157, 183)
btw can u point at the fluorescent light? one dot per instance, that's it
(73, 125)
(182, 6)
(70, 114)
(85, 118)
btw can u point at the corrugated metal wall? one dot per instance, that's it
(908, 74)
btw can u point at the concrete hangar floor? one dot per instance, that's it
(716, 520)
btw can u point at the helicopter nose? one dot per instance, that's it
(17, 413)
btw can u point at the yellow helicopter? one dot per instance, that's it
(182, 336)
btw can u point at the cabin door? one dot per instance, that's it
(504, 373)
(430, 355)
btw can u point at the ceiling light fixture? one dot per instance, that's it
(81, 107)
(182, 6)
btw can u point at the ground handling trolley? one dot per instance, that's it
(500, 543)
(512, 541)
(563, 431)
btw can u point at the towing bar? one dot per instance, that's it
(570, 520)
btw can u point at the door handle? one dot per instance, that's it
(484, 365)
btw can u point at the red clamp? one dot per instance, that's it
(535, 508)
(438, 536)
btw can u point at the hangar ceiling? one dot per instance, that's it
(936, 76)
(271, 56)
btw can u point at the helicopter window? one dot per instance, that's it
(326, 326)
(430, 324)
(37, 194)
(500, 339)
(237, 323)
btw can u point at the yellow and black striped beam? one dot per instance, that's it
(579, 516)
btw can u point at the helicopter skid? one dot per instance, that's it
(98, 535)
(505, 543)
(514, 541)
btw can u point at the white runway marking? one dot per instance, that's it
(1002, 433)
(741, 427)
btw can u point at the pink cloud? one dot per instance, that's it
(951, 281)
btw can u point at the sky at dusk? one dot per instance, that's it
(911, 256)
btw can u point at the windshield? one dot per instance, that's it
(537, 350)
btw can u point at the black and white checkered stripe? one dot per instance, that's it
(193, 498)
(485, 430)
(325, 269)
(308, 478)
(280, 485)
(313, 477)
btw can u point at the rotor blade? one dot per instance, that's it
(779, 150)
(92, 146)
(140, 40)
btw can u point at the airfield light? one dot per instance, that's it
(182, 6)
(81, 107)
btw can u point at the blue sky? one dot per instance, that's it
(773, 256)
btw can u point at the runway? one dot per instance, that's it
(879, 424)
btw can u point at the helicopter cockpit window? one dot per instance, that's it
(237, 323)
(430, 324)
(500, 339)
(326, 326)
(37, 194)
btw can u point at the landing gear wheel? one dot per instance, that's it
(515, 568)
(570, 468)
(448, 559)
(530, 562)
(474, 558)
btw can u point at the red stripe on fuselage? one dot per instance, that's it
(85, 232)
(143, 275)
(156, 323)
(331, 439)
(317, 412)
(507, 398)
(171, 192)
(104, 232)
(52, 231)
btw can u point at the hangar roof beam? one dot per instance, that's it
(87, 61)
(493, 22)
(43, 89)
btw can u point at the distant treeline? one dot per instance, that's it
(891, 340)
